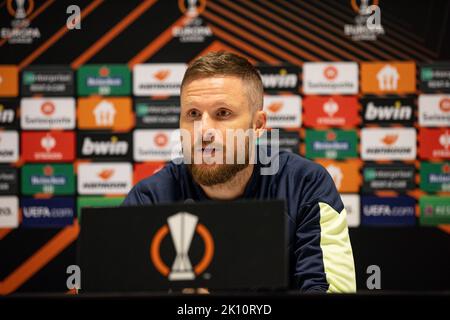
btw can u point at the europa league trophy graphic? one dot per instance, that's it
(192, 8)
(182, 227)
(363, 7)
(20, 11)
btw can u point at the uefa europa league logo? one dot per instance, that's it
(182, 226)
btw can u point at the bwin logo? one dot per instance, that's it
(182, 227)
(103, 148)
(395, 112)
(6, 115)
(280, 80)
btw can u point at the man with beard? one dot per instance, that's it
(222, 93)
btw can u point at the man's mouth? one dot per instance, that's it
(209, 151)
(206, 149)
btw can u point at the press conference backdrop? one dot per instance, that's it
(87, 107)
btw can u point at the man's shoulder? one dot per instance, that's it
(297, 166)
(309, 180)
(168, 175)
(162, 186)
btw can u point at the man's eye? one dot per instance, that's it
(223, 113)
(193, 114)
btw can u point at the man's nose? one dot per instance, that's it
(208, 127)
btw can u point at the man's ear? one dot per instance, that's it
(260, 122)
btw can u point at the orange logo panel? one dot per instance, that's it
(345, 174)
(388, 77)
(9, 81)
(105, 113)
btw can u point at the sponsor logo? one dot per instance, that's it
(48, 146)
(55, 179)
(95, 202)
(104, 178)
(9, 146)
(435, 77)
(330, 78)
(279, 78)
(283, 111)
(9, 81)
(331, 144)
(145, 170)
(367, 25)
(434, 210)
(45, 80)
(388, 143)
(96, 113)
(388, 110)
(352, 206)
(8, 180)
(104, 146)
(345, 174)
(9, 212)
(45, 114)
(434, 110)
(158, 79)
(114, 79)
(55, 212)
(196, 31)
(388, 77)
(330, 72)
(388, 211)
(20, 31)
(182, 227)
(156, 145)
(9, 117)
(157, 113)
(435, 177)
(335, 111)
(397, 177)
(434, 143)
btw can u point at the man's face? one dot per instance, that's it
(210, 107)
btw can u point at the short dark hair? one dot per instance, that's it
(222, 63)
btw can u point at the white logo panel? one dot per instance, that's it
(9, 146)
(104, 178)
(388, 144)
(47, 113)
(330, 78)
(156, 144)
(283, 111)
(158, 79)
(434, 110)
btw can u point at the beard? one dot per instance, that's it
(210, 175)
(218, 173)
